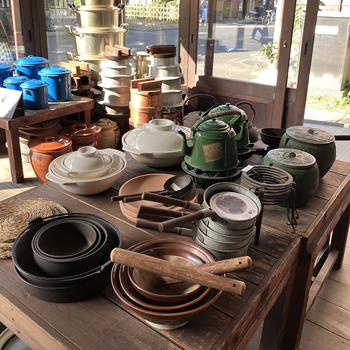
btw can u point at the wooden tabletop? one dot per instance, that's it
(104, 323)
(56, 109)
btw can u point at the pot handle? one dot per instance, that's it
(250, 106)
(28, 92)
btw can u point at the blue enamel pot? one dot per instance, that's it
(30, 66)
(59, 82)
(5, 72)
(14, 83)
(35, 94)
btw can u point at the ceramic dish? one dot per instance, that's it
(172, 98)
(119, 96)
(171, 84)
(168, 71)
(118, 81)
(115, 71)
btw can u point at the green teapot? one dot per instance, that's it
(237, 119)
(213, 145)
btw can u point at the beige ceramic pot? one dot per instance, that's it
(110, 133)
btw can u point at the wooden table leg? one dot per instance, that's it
(339, 237)
(298, 303)
(87, 116)
(14, 153)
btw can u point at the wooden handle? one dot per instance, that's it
(153, 217)
(188, 274)
(171, 201)
(126, 198)
(228, 265)
(141, 223)
(197, 215)
(145, 209)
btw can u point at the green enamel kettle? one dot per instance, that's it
(213, 145)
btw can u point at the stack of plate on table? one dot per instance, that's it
(155, 144)
(163, 67)
(163, 305)
(116, 74)
(229, 237)
(148, 183)
(15, 216)
(65, 258)
(87, 171)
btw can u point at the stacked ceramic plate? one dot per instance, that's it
(164, 305)
(65, 258)
(156, 144)
(148, 183)
(229, 237)
(87, 170)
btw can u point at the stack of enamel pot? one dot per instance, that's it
(163, 67)
(116, 75)
(101, 23)
(146, 101)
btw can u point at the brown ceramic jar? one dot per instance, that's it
(44, 151)
(83, 134)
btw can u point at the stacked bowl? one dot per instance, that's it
(100, 24)
(155, 144)
(65, 258)
(228, 238)
(87, 171)
(162, 305)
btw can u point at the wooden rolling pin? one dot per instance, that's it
(178, 272)
(219, 267)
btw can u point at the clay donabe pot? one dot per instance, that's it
(83, 134)
(43, 152)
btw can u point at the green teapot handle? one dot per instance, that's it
(208, 116)
(250, 106)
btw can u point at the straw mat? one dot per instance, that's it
(15, 216)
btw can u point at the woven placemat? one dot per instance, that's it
(15, 216)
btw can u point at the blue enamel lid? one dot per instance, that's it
(31, 61)
(16, 80)
(54, 70)
(4, 67)
(32, 84)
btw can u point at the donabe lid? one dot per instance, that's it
(32, 84)
(308, 134)
(31, 61)
(54, 70)
(214, 125)
(51, 144)
(16, 80)
(4, 67)
(290, 157)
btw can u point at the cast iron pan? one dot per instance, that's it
(62, 289)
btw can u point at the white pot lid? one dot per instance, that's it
(87, 159)
(156, 138)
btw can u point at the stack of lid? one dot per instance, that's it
(100, 23)
(146, 101)
(116, 74)
(163, 67)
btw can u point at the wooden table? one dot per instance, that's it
(323, 227)
(104, 323)
(56, 110)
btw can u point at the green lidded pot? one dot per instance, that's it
(301, 165)
(213, 145)
(315, 141)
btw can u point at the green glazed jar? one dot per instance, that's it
(301, 165)
(315, 141)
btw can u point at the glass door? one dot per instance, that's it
(11, 39)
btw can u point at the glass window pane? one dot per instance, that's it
(245, 36)
(152, 23)
(11, 41)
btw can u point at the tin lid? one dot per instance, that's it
(233, 206)
(290, 157)
(4, 67)
(31, 61)
(310, 135)
(54, 70)
(16, 80)
(213, 125)
(32, 84)
(51, 144)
